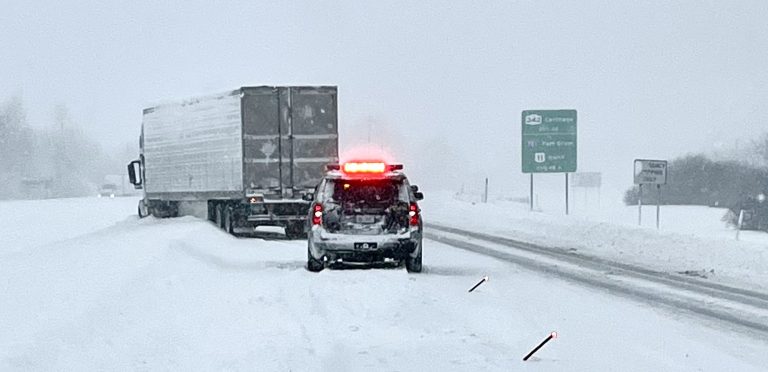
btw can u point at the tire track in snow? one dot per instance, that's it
(745, 296)
(593, 275)
(221, 263)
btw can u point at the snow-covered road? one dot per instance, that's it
(101, 290)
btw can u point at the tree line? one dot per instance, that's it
(699, 180)
(56, 159)
(735, 183)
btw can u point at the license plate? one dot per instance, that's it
(365, 219)
(364, 246)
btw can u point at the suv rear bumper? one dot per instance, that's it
(337, 246)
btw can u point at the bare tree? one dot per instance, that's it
(760, 148)
(60, 157)
(16, 144)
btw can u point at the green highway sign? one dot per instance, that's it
(549, 141)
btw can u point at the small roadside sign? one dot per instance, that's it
(586, 179)
(650, 172)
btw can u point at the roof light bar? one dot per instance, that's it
(365, 167)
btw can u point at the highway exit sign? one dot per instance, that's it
(549, 141)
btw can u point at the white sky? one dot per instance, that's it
(441, 84)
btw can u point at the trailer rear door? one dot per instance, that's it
(289, 135)
(313, 139)
(261, 138)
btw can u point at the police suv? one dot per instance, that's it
(365, 212)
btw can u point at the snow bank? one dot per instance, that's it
(26, 224)
(111, 292)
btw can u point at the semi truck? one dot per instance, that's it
(252, 155)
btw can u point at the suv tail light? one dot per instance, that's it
(413, 214)
(317, 214)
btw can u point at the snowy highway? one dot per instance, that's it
(86, 285)
(739, 307)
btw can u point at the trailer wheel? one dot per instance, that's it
(228, 221)
(211, 211)
(154, 209)
(173, 209)
(163, 209)
(219, 219)
(294, 230)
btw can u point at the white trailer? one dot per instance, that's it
(251, 154)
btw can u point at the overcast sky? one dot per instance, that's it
(440, 84)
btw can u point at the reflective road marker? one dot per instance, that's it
(485, 279)
(551, 336)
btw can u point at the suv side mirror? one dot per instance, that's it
(414, 188)
(134, 174)
(418, 195)
(308, 197)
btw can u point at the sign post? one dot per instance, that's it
(650, 172)
(640, 205)
(658, 204)
(531, 197)
(549, 144)
(566, 194)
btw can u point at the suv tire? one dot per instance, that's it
(413, 264)
(313, 265)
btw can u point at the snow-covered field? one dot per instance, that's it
(31, 223)
(691, 239)
(85, 285)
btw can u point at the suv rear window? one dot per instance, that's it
(369, 193)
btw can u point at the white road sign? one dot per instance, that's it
(586, 179)
(653, 172)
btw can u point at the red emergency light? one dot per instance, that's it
(364, 167)
(369, 167)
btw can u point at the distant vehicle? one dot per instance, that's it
(107, 190)
(365, 212)
(250, 154)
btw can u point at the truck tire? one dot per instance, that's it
(163, 209)
(219, 220)
(142, 209)
(295, 230)
(173, 209)
(227, 223)
(154, 209)
(313, 265)
(211, 211)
